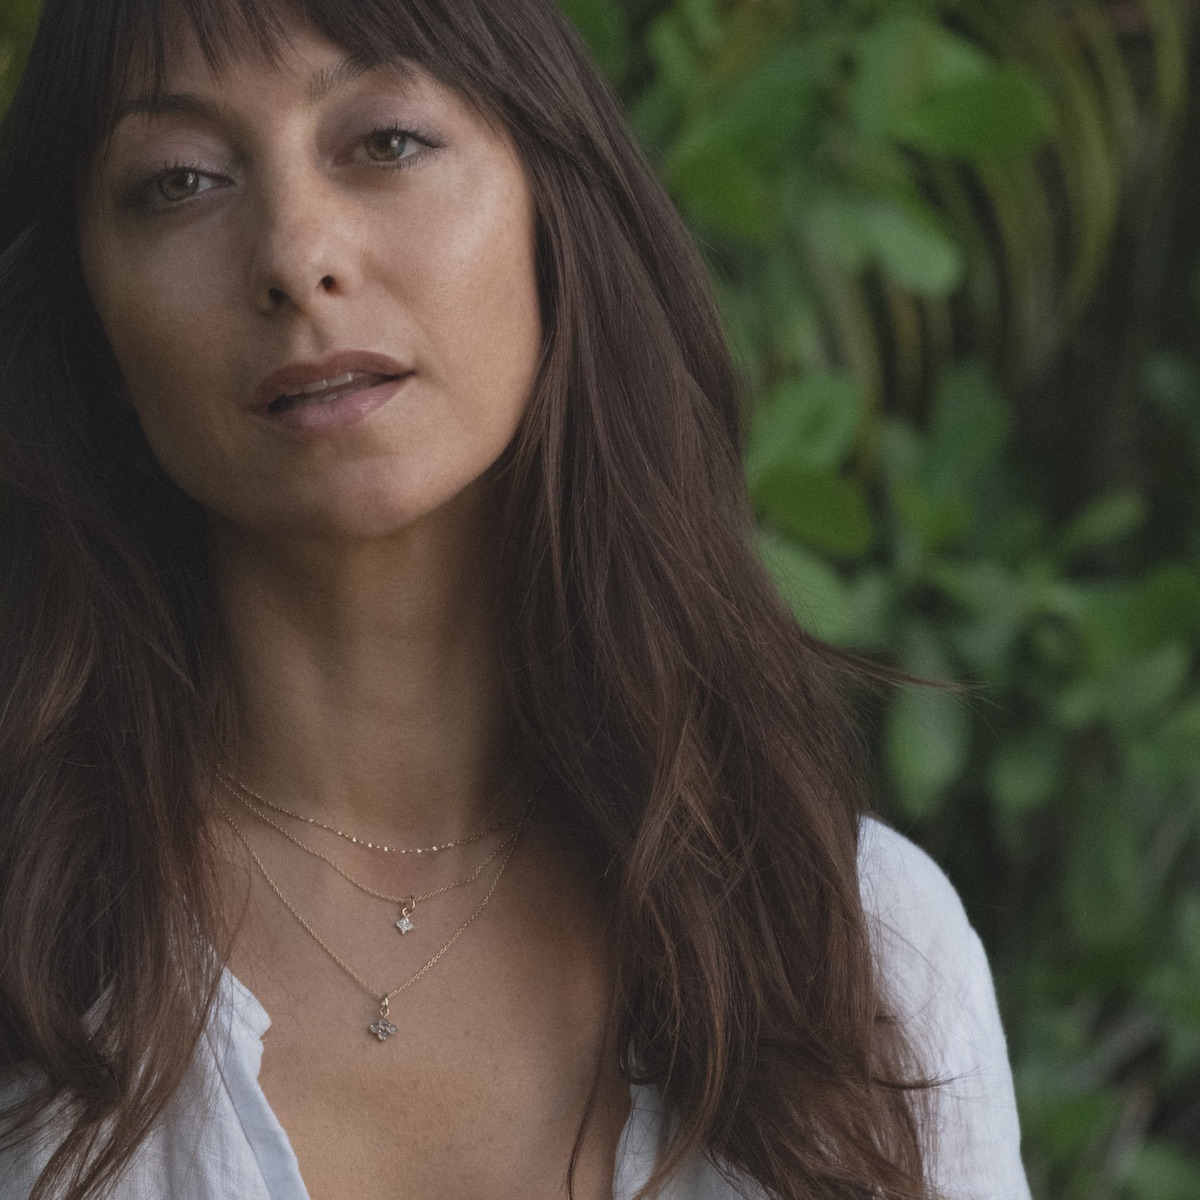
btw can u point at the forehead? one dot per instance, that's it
(178, 53)
(319, 69)
(163, 48)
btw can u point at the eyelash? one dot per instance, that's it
(142, 197)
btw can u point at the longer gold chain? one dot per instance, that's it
(382, 1029)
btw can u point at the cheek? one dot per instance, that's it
(161, 335)
(156, 323)
(483, 316)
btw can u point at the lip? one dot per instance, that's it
(297, 375)
(327, 417)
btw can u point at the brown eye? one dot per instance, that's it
(386, 145)
(180, 184)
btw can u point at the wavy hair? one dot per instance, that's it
(699, 737)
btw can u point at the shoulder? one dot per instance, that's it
(21, 1162)
(199, 1146)
(937, 982)
(932, 966)
(917, 920)
(895, 873)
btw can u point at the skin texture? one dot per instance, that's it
(354, 573)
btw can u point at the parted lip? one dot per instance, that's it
(290, 379)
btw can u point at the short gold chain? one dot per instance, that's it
(229, 782)
(384, 997)
(362, 887)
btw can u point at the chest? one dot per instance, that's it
(461, 1102)
(482, 1089)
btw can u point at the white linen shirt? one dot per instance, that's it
(219, 1139)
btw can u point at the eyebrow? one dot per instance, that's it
(323, 84)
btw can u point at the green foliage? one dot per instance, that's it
(912, 212)
(17, 19)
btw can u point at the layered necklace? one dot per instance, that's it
(382, 1028)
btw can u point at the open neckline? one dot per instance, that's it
(637, 1147)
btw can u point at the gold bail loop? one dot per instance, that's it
(404, 923)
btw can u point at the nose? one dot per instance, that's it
(278, 297)
(301, 251)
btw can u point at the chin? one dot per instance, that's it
(372, 510)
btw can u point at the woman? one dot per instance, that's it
(413, 783)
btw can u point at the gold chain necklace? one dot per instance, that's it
(383, 1027)
(408, 903)
(248, 792)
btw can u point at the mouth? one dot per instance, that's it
(325, 391)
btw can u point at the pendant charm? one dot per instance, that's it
(383, 1028)
(404, 924)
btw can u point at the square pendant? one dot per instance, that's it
(382, 1029)
(404, 925)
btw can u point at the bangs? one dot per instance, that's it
(123, 49)
(144, 31)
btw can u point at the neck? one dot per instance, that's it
(368, 676)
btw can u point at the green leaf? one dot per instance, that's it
(968, 431)
(902, 59)
(1162, 1171)
(911, 246)
(1173, 382)
(999, 115)
(982, 586)
(1127, 689)
(1070, 1122)
(825, 511)
(928, 731)
(901, 450)
(605, 29)
(1081, 702)
(874, 601)
(810, 422)
(835, 224)
(1103, 879)
(1177, 740)
(721, 163)
(928, 737)
(934, 520)
(669, 50)
(1139, 686)
(768, 111)
(716, 185)
(1164, 607)
(815, 594)
(1025, 770)
(702, 19)
(932, 482)
(1101, 523)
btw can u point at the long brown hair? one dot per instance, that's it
(696, 734)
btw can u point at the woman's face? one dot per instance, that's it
(273, 231)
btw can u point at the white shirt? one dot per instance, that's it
(219, 1139)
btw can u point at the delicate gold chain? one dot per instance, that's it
(382, 1029)
(362, 887)
(245, 791)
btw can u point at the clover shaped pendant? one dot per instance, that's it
(383, 1028)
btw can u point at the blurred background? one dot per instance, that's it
(957, 244)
